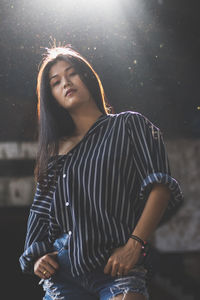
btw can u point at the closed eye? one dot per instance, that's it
(73, 73)
(55, 83)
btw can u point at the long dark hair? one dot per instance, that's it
(55, 121)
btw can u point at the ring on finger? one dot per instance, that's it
(44, 272)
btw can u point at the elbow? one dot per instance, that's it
(163, 190)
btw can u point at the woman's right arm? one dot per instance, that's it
(38, 244)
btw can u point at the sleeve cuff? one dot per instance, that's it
(28, 258)
(176, 194)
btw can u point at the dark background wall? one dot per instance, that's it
(147, 55)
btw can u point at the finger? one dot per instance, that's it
(46, 274)
(50, 259)
(120, 270)
(45, 266)
(115, 267)
(46, 263)
(43, 274)
(46, 271)
(39, 274)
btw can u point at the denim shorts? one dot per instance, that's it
(93, 285)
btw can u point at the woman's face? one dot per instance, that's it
(67, 87)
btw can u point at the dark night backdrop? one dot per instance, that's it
(146, 53)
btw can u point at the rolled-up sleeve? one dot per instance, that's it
(37, 238)
(151, 161)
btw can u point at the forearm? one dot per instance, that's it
(153, 211)
(125, 257)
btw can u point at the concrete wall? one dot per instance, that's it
(181, 233)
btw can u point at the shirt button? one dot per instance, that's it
(64, 175)
(69, 232)
(67, 204)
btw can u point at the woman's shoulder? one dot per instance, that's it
(127, 114)
(131, 115)
(137, 121)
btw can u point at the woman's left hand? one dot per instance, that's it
(123, 258)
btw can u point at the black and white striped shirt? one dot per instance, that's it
(100, 191)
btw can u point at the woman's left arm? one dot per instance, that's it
(158, 192)
(153, 211)
(124, 258)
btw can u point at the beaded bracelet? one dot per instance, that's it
(143, 243)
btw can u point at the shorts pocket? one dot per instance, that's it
(61, 242)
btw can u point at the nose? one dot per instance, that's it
(66, 82)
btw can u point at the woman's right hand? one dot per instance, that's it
(46, 265)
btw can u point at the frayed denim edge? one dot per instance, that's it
(126, 291)
(51, 291)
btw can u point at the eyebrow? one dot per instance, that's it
(67, 69)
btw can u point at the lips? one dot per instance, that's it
(68, 92)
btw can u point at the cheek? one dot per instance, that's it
(55, 93)
(83, 89)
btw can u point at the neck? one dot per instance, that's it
(84, 120)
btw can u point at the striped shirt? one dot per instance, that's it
(100, 190)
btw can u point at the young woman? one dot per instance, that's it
(103, 185)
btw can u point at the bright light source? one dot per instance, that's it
(70, 8)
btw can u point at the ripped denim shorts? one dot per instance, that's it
(91, 286)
